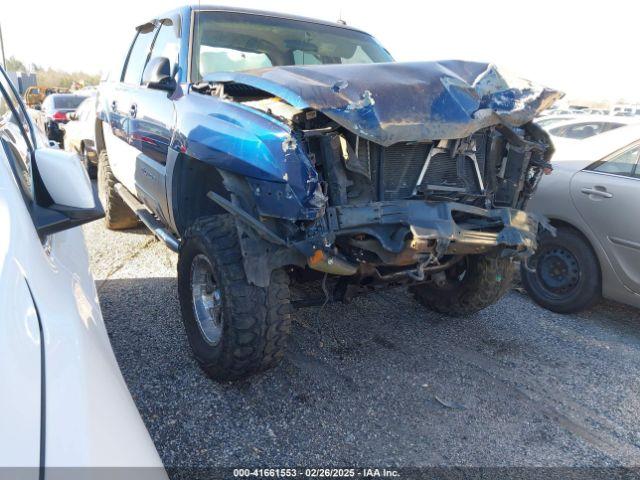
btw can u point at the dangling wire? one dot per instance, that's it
(326, 300)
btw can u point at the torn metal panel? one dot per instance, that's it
(389, 103)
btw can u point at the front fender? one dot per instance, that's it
(250, 144)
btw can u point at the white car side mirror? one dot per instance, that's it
(64, 195)
(65, 178)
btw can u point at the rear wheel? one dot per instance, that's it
(86, 163)
(117, 215)
(473, 284)
(234, 328)
(564, 274)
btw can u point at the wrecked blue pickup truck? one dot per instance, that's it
(281, 155)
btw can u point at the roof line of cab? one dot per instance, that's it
(186, 10)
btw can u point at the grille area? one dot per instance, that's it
(402, 163)
(401, 166)
(446, 174)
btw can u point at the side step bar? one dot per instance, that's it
(148, 219)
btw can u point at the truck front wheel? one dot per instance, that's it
(470, 286)
(234, 328)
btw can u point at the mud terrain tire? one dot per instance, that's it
(486, 279)
(253, 323)
(117, 215)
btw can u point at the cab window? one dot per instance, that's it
(166, 44)
(138, 56)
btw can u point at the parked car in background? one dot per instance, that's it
(35, 95)
(563, 111)
(586, 126)
(88, 91)
(625, 110)
(64, 402)
(547, 120)
(79, 134)
(593, 199)
(54, 112)
(597, 111)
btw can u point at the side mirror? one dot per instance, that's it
(158, 75)
(70, 200)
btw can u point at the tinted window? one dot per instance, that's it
(138, 57)
(227, 41)
(166, 44)
(625, 163)
(68, 102)
(612, 126)
(16, 136)
(578, 131)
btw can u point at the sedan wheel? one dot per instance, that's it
(564, 274)
(558, 271)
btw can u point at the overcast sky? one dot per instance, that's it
(585, 48)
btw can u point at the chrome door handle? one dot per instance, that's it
(133, 110)
(597, 191)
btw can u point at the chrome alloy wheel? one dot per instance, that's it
(206, 299)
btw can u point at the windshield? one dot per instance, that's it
(68, 101)
(229, 42)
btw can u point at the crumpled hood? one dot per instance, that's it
(389, 103)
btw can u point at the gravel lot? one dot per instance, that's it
(379, 382)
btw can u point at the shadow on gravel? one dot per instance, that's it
(378, 381)
(606, 314)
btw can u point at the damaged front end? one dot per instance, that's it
(415, 167)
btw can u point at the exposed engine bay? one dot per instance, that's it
(391, 212)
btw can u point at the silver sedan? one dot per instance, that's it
(593, 199)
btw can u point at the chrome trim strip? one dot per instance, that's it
(624, 243)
